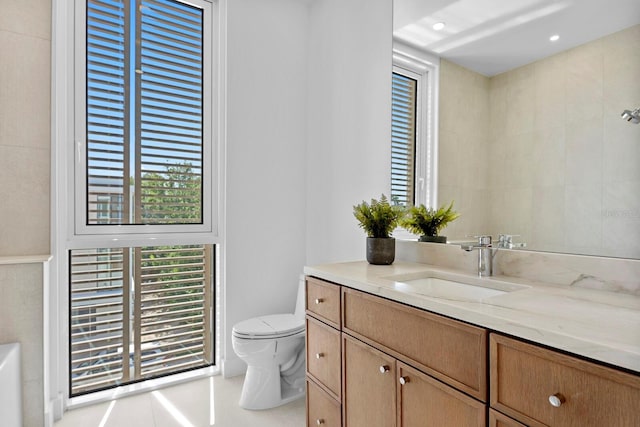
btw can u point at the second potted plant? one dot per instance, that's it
(378, 220)
(428, 222)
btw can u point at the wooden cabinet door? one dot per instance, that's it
(369, 381)
(452, 351)
(541, 387)
(424, 402)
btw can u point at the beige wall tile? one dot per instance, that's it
(584, 152)
(621, 70)
(548, 218)
(21, 320)
(583, 208)
(550, 97)
(29, 17)
(463, 152)
(24, 189)
(548, 157)
(25, 90)
(621, 150)
(585, 73)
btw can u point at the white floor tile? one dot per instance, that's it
(186, 405)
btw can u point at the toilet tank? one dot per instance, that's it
(10, 386)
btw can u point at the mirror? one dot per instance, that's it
(531, 139)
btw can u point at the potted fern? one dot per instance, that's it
(379, 219)
(428, 222)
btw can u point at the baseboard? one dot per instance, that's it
(233, 367)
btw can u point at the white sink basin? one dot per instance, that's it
(452, 290)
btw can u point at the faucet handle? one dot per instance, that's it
(483, 239)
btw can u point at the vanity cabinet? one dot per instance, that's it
(398, 365)
(324, 354)
(542, 387)
(372, 361)
(449, 350)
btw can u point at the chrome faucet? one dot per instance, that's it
(485, 255)
(505, 241)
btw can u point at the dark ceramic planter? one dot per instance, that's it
(381, 250)
(433, 239)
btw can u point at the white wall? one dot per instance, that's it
(348, 159)
(266, 133)
(308, 130)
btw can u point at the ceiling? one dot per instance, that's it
(494, 36)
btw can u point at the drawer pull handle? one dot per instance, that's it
(319, 355)
(319, 300)
(384, 369)
(319, 421)
(556, 400)
(404, 380)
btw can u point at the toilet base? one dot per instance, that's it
(262, 389)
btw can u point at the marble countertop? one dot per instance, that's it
(603, 326)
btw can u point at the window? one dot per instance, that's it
(144, 118)
(141, 248)
(413, 127)
(403, 138)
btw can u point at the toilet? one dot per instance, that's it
(272, 346)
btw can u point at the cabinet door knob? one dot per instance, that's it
(384, 369)
(404, 380)
(319, 421)
(319, 300)
(556, 400)
(319, 355)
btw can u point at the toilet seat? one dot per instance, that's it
(268, 327)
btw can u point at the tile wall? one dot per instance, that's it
(559, 165)
(25, 136)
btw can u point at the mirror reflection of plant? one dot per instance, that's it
(428, 221)
(378, 218)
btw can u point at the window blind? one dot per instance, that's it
(144, 112)
(153, 302)
(403, 138)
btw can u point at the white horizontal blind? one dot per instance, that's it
(169, 95)
(173, 293)
(99, 313)
(144, 112)
(403, 138)
(153, 302)
(107, 117)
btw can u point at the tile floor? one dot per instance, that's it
(200, 403)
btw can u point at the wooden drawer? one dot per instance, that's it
(321, 409)
(426, 402)
(451, 351)
(323, 301)
(524, 376)
(496, 419)
(324, 357)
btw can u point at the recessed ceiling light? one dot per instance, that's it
(554, 38)
(438, 26)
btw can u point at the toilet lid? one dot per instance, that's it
(274, 325)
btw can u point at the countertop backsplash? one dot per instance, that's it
(589, 272)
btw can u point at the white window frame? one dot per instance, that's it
(423, 68)
(209, 191)
(64, 152)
